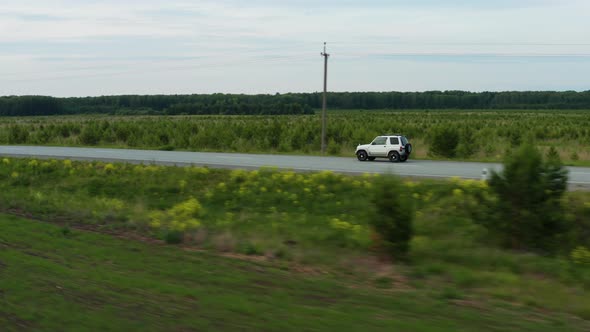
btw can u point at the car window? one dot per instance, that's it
(379, 141)
(394, 141)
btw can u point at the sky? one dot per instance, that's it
(90, 47)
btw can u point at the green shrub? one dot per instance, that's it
(17, 134)
(451, 293)
(250, 249)
(90, 135)
(333, 147)
(467, 145)
(66, 231)
(167, 148)
(173, 237)
(530, 215)
(574, 156)
(393, 216)
(444, 142)
(383, 282)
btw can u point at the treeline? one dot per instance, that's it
(214, 104)
(297, 103)
(452, 100)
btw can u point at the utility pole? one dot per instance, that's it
(325, 55)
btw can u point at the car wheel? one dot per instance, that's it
(393, 156)
(371, 158)
(361, 155)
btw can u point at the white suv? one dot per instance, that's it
(395, 147)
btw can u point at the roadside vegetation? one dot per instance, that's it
(53, 280)
(439, 244)
(482, 135)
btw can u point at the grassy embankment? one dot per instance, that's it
(53, 280)
(484, 135)
(308, 245)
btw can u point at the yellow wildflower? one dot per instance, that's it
(340, 224)
(581, 255)
(182, 184)
(109, 168)
(410, 184)
(468, 183)
(202, 170)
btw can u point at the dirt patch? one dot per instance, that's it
(89, 300)
(7, 245)
(35, 254)
(265, 283)
(470, 304)
(15, 321)
(320, 298)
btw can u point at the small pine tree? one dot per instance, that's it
(467, 145)
(444, 142)
(529, 191)
(392, 219)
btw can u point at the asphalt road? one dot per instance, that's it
(578, 176)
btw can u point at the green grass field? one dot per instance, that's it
(265, 250)
(51, 280)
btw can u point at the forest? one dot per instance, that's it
(288, 104)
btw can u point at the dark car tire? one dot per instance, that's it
(393, 156)
(362, 155)
(408, 148)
